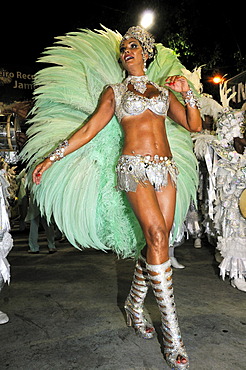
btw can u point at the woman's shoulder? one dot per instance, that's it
(118, 88)
(118, 85)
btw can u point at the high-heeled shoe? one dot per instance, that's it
(136, 315)
(174, 350)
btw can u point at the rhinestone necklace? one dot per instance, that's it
(138, 82)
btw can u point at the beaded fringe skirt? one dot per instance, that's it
(137, 169)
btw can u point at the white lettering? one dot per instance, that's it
(7, 74)
(241, 92)
(24, 76)
(234, 99)
(20, 85)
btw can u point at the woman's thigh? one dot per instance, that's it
(154, 208)
(155, 212)
(146, 207)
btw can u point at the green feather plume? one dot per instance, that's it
(78, 192)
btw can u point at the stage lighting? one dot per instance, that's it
(217, 79)
(147, 19)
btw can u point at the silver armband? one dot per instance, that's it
(191, 99)
(58, 153)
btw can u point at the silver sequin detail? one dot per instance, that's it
(133, 104)
(58, 153)
(133, 170)
(127, 103)
(191, 99)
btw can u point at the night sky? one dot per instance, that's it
(27, 31)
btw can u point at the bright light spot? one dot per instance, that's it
(147, 19)
(217, 79)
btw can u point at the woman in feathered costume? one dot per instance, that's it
(78, 177)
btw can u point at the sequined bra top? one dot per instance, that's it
(127, 103)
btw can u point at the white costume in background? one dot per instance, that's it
(6, 241)
(227, 170)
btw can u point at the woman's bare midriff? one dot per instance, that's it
(145, 134)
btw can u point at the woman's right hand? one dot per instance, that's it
(39, 170)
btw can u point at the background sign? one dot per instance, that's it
(238, 84)
(16, 84)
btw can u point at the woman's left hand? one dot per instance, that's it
(178, 84)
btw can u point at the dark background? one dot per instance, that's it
(202, 32)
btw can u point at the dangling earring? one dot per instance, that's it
(144, 60)
(145, 68)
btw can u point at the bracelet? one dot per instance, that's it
(58, 153)
(191, 99)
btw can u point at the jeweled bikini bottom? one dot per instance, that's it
(137, 169)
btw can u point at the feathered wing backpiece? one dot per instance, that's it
(79, 191)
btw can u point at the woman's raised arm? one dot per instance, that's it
(189, 117)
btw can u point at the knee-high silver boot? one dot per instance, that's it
(161, 281)
(137, 317)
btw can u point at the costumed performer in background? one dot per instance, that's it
(225, 158)
(229, 175)
(226, 162)
(6, 240)
(146, 169)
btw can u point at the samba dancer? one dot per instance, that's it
(147, 172)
